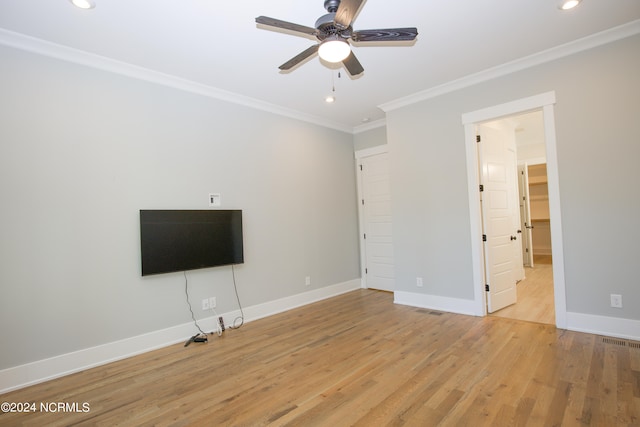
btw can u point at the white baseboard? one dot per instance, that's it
(579, 322)
(435, 302)
(604, 325)
(65, 364)
(281, 305)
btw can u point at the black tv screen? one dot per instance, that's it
(180, 240)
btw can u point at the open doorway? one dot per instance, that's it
(544, 102)
(534, 288)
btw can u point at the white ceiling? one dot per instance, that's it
(217, 44)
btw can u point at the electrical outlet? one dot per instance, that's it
(616, 300)
(205, 304)
(212, 302)
(307, 281)
(214, 199)
(419, 282)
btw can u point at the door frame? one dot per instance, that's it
(359, 155)
(525, 213)
(544, 102)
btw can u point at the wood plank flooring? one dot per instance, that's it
(534, 294)
(359, 360)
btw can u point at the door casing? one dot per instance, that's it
(545, 102)
(525, 215)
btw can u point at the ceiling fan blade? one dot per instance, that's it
(346, 12)
(277, 23)
(385, 35)
(299, 58)
(352, 65)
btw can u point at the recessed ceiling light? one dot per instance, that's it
(330, 99)
(83, 4)
(569, 4)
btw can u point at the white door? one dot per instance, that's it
(376, 220)
(501, 219)
(525, 215)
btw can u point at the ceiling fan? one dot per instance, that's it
(333, 31)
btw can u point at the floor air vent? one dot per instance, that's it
(622, 343)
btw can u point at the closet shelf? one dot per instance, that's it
(537, 180)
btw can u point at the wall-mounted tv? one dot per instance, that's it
(180, 240)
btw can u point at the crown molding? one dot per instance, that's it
(57, 51)
(53, 50)
(369, 126)
(608, 36)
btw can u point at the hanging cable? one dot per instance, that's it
(186, 292)
(241, 317)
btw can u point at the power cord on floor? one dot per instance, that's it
(202, 336)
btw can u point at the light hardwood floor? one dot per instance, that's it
(535, 295)
(358, 359)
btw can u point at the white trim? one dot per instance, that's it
(76, 56)
(367, 152)
(509, 108)
(359, 155)
(65, 364)
(604, 325)
(544, 101)
(435, 302)
(557, 245)
(475, 217)
(589, 42)
(533, 161)
(369, 126)
(281, 305)
(46, 48)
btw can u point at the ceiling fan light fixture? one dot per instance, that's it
(83, 4)
(334, 50)
(569, 4)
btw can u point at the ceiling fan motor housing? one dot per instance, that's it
(326, 27)
(331, 5)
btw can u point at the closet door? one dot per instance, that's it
(377, 237)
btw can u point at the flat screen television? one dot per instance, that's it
(180, 240)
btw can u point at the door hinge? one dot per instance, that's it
(481, 188)
(486, 287)
(362, 202)
(484, 237)
(365, 236)
(478, 138)
(366, 271)
(360, 167)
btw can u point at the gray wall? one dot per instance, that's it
(597, 111)
(370, 138)
(81, 151)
